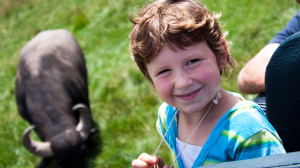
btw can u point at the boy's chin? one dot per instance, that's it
(191, 109)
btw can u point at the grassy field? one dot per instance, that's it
(123, 104)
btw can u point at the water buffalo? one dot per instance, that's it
(52, 95)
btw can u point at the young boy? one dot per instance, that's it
(180, 49)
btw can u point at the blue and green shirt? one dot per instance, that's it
(242, 133)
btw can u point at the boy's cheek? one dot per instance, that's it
(162, 89)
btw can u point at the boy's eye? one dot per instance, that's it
(192, 61)
(163, 71)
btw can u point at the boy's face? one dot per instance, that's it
(187, 79)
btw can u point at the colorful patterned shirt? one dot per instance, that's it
(242, 133)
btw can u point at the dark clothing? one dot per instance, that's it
(282, 91)
(292, 27)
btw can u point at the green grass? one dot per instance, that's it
(123, 104)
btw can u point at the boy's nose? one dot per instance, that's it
(183, 81)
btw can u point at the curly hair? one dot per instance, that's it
(174, 23)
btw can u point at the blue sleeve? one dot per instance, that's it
(291, 28)
(263, 143)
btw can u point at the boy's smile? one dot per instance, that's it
(188, 78)
(189, 96)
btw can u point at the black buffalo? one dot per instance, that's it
(52, 95)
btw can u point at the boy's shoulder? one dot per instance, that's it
(246, 111)
(246, 118)
(247, 126)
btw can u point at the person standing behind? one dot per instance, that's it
(180, 48)
(251, 79)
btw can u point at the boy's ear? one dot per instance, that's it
(224, 55)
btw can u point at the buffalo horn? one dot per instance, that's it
(42, 149)
(84, 124)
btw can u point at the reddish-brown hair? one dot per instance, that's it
(178, 23)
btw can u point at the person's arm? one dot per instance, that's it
(251, 79)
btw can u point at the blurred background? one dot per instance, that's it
(123, 104)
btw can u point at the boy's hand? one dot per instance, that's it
(147, 161)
